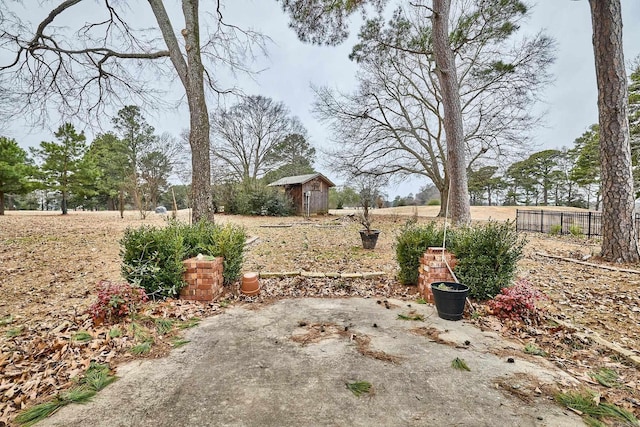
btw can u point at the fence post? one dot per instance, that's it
(589, 226)
(541, 221)
(517, 214)
(561, 223)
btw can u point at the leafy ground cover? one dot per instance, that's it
(50, 265)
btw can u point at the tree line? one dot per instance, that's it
(257, 141)
(127, 167)
(560, 177)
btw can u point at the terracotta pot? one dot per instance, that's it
(250, 284)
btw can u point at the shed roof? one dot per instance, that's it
(300, 179)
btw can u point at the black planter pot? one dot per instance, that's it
(369, 238)
(450, 302)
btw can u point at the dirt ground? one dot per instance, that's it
(50, 264)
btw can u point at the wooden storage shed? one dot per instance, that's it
(310, 193)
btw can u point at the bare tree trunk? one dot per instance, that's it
(191, 73)
(137, 199)
(448, 79)
(63, 204)
(1, 203)
(121, 203)
(619, 241)
(199, 139)
(444, 198)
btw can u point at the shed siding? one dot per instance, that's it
(315, 200)
(319, 199)
(295, 192)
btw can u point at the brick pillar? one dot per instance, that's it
(204, 279)
(433, 269)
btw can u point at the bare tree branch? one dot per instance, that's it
(394, 121)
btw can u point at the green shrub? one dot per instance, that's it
(253, 199)
(555, 230)
(433, 202)
(152, 257)
(487, 257)
(576, 230)
(411, 243)
(227, 241)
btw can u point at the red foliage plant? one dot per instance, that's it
(517, 302)
(116, 301)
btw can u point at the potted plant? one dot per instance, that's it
(369, 191)
(369, 236)
(450, 298)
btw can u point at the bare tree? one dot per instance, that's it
(619, 238)
(369, 187)
(106, 61)
(157, 165)
(246, 134)
(395, 121)
(450, 87)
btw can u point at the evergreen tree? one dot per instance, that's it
(15, 170)
(521, 183)
(619, 233)
(634, 124)
(111, 157)
(292, 156)
(586, 171)
(483, 182)
(138, 136)
(65, 168)
(544, 167)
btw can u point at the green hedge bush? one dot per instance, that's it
(152, 259)
(152, 256)
(226, 241)
(487, 257)
(254, 199)
(487, 254)
(411, 243)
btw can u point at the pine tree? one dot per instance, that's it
(64, 166)
(15, 170)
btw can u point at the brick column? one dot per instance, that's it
(433, 269)
(204, 279)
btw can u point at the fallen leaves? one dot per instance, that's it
(47, 359)
(50, 264)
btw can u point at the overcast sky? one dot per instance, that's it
(292, 67)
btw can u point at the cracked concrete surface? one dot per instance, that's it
(242, 368)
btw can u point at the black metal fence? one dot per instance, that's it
(558, 222)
